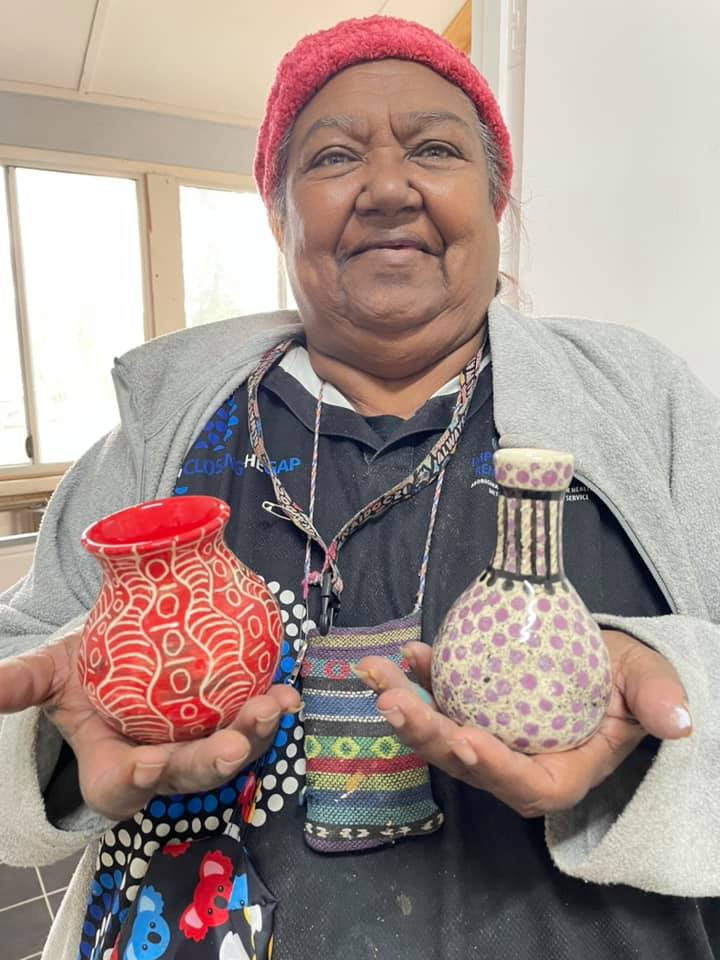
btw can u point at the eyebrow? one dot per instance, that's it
(419, 119)
(340, 121)
(415, 121)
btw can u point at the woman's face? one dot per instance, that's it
(390, 237)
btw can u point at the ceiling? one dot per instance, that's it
(208, 58)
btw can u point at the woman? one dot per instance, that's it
(385, 165)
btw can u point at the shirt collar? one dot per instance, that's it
(297, 385)
(297, 363)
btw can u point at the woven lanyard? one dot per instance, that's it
(430, 468)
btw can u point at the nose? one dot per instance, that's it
(154, 937)
(387, 189)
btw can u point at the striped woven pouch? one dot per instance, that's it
(364, 788)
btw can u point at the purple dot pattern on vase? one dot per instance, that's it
(518, 652)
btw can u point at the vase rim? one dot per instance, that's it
(533, 469)
(534, 453)
(155, 525)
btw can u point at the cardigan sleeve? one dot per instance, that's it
(49, 602)
(655, 823)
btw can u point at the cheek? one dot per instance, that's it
(463, 213)
(317, 215)
(472, 255)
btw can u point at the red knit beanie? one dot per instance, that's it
(319, 56)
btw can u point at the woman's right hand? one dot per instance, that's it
(118, 776)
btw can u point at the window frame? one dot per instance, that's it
(158, 199)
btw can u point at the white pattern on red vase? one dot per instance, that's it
(182, 633)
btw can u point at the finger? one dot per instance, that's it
(419, 657)
(381, 674)
(531, 785)
(28, 680)
(464, 752)
(603, 753)
(654, 693)
(207, 763)
(117, 778)
(259, 716)
(414, 720)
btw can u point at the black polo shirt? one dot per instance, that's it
(484, 885)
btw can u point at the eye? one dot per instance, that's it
(221, 888)
(435, 150)
(152, 924)
(334, 157)
(210, 912)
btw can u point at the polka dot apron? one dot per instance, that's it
(167, 823)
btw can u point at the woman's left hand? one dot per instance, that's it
(647, 698)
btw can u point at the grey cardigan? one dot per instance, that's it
(646, 438)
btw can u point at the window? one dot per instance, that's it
(79, 292)
(13, 426)
(96, 255)
(230, 258)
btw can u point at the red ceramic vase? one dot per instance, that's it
(182, 633)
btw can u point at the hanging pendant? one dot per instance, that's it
(518, 653)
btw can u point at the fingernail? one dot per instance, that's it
(297, 709)
(683, 720)
(463, 751)
(394, 716)
(226, 767)
(368, 676)
(146, 774)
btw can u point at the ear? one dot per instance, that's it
(191, 924)
(150, 901)
(215, 864)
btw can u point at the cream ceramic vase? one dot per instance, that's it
(518, 653)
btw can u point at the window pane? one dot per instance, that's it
(13, 430)
(83, 287)
(230, 260)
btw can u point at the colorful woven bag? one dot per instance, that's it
(364, 788)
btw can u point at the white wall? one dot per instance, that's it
(620, 168)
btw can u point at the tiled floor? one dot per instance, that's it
(28, 899)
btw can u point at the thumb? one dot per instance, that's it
(28, 680)
(655, 696)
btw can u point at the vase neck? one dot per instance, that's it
(158, 562)
(529, 536)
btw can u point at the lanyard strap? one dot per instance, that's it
(423, 474)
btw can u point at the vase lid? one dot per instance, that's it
(526, 468)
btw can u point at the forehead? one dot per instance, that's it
(386, 86)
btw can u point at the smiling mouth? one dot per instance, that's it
(391, 250)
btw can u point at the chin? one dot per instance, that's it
(396, 313)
